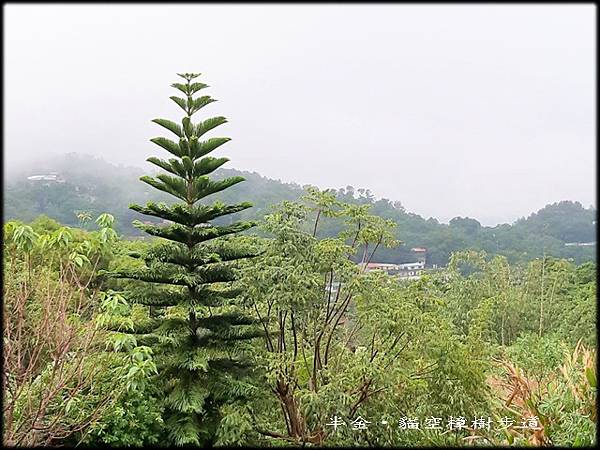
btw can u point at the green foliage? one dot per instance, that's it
(563, 399)
(50, 333)
(575, 309)
(507, 328)
(371, 347)
(419, 348)
(134, 421)
(537, 355)
(94, 186)
(134, 417)
(409, 348)
(188, 312)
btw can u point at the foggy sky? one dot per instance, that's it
(485, 111)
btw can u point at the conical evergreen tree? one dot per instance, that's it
(194, 324)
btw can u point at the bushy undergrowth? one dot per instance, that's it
(497, 340)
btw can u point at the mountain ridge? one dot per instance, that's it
(93, 184)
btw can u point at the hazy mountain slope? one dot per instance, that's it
(94, 185)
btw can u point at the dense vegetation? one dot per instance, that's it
(192, 341)
(96, 186)
(503, 341)
(213, 332)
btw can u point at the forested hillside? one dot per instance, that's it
(94, 185)
(232, 325)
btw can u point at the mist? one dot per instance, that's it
(486, 111)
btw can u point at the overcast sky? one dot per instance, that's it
(485, 111)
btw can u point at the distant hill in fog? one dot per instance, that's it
(94, 185)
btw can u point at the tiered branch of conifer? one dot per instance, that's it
(196, 326)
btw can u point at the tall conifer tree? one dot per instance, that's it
(194, 323)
